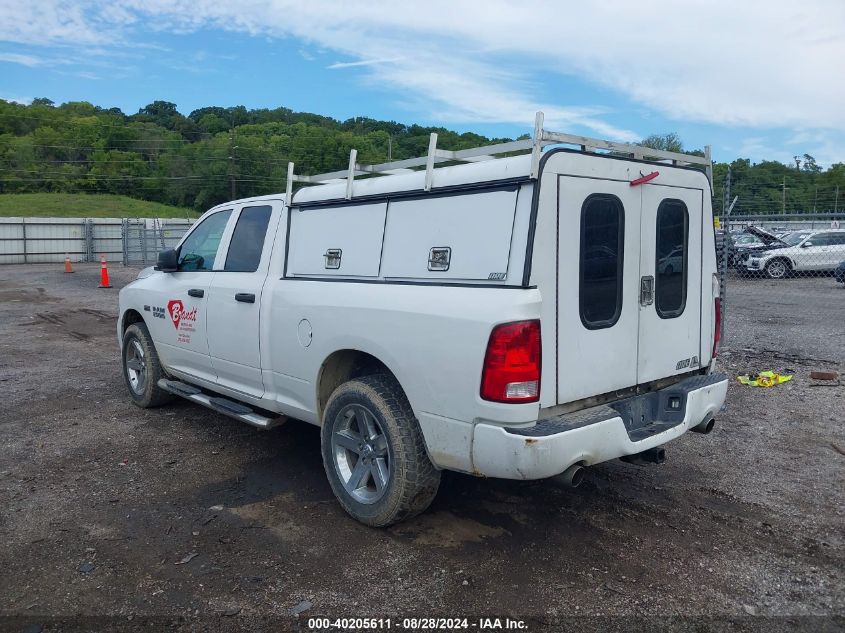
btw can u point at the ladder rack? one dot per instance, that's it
(541, 139)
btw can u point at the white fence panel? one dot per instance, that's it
(135, 241)
(42, 240)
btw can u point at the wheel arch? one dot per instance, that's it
(129, 317)
(342, 366)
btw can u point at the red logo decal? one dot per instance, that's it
(179, 315)
(175, 308)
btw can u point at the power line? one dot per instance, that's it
(62, 176)
(138, 161)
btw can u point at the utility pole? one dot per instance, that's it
(836, 201)
(389, 148)
(232, 148)
(783, 206)
(816, 199)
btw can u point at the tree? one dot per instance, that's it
(810, 164)
(669, 142)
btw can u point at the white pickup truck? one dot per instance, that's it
(521, 317)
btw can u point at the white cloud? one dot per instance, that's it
(765, 64)
(24, 60)
(363, 62)
(21, 100)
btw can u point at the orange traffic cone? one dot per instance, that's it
(104, 273)
(68, 265)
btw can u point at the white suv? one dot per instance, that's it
(807, 251)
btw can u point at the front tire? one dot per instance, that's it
(374, 453)
(142, 369)
(777, 269)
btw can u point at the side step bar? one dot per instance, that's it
(221, 405)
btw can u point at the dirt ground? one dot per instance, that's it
(116, 517)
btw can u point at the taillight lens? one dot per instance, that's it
(512, 363)
(717, 333)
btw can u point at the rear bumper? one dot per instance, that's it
(599, 435)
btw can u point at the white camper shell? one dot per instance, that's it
(520, 317)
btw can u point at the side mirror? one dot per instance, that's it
(168, 261)
(806, 244)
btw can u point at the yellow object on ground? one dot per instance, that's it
(764, 379)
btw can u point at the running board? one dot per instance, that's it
(222, 405)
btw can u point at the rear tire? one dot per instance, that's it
(374, 453)
(142, 369)
(777, 269)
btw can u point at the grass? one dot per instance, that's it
(83, 205)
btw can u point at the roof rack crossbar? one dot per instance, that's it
(542, 138)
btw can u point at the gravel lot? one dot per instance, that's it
(115, 516)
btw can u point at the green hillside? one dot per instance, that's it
(216, 154)
(82, 205)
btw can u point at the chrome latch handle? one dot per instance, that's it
(333, 257)
(647, 290)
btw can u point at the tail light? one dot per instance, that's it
(717, 333)
(512, 363)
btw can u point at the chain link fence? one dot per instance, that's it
(767, 255)
(810, 246)
(782, 247)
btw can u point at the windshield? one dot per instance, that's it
(793, 239)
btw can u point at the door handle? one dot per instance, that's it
(245, 297)
(647, 290)
(196, 292)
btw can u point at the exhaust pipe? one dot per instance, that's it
(656, 455)
(571, 477)
(705, 426)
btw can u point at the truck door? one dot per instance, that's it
(234, 299)
(179, 304)
(598, 284)
(670, 281)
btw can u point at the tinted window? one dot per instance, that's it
(827, 239)
(793, 239)
(670, 279)
(200, 247)
(600, 276)
(248, 240)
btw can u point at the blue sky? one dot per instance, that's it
(763, 83)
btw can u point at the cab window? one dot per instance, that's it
(200, 247)
(248, 240)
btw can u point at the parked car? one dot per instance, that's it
(446, 319)
(806, 251)
(673, 262)
(839, 273)
(761, 240)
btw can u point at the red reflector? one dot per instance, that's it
(512, 363)
(717, 334)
